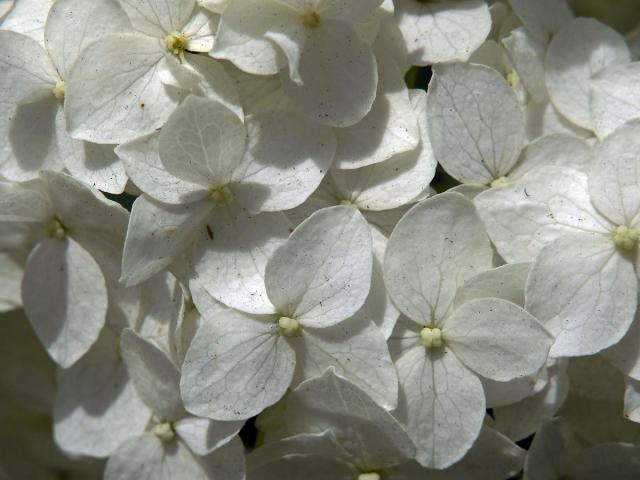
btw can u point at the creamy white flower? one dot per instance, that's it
(317, 280)
(435, 247)
(144, 72)
(33, 88)
(212, 192)
(74, 227)
(331, 74)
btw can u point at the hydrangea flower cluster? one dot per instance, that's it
(244, 239)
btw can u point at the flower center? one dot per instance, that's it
(369, 476)
(221, 196)
(310, 19)
(513, 79)
(56, 229)
(164, 431)
(499, 182)
(176, 43)
(58, 90)
(626, 238)
(289, 327)
(431, 337)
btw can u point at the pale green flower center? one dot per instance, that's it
(222, 196)
(310, 19)
(625, 237)
(513, 79)
(431, 337)
(164, 431)
(56, 229)
(58, 90)
(289, 327)
(176, 43)
(500, 181)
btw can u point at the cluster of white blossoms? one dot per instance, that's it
(293, 293)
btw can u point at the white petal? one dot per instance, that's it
(83, 209)
(157, 18)
(364, 429)
(232, 254)
(202, 142)
(580, 50)
(436, 246)
(156, 379)
(96, 165)
(322, 274)
(240, 37)
(527, 55)
(558, 149)
(158, 233)
(442, 32)
(549, 453)
(492, 456)
(74, 24)
(476, 124)
(625, 355)
(390, 127)
(542, 18)
(506, 282)
(24, 202)
(544, 119)
(614, 182)
(287, 157)
(338, 76)
(143, 165)
(65, 298)
(350, 11)
(527, 214)
(357, 350)
(237, 365)
(632, 400)
(26, 72)
(615, 98)
(442, 404)
(200, 31)
(121, 97)
(584, 291)
(97, 407)
(146, 457)
(497, 339)
(521, 419)
(204, 436)
(396, 181)
(378, 306)
(31, 138)
(28, 17)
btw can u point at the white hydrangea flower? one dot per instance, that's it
(143, 74)
(97, 407)
(543, 18)
(331, 74)
(77, 231)
(32, 90)
(177, 445)
(632, 400)
(317, 280)
(437, 246)
(581, 231)
(213, 192)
